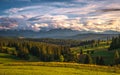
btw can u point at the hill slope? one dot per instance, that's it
(5, 58)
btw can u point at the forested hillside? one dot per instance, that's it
(65, 42)
(115, 43)
(100, 52)
(23, 49)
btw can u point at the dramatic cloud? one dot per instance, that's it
(89, 15)
(7, 23)
(109, 10)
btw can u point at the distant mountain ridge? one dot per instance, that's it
(58, 33)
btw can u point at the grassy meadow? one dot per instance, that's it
(10, 65)
(99, 50)
(45, 70)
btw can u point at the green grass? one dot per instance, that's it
(107, 55)
(100, 50)
(43, 70)
(5, 58)
(55, 68)
(100, 47)
(12, 66)
(9, 48)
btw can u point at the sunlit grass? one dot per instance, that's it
(11, 66)
(52, 70)
(5, 58)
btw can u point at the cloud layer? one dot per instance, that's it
(89, 15)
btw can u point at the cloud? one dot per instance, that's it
(103, 25)
(7, 23)
(89, 15)
(109, 10)
(95, 24)
(48, 22)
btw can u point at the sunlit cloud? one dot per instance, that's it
(88, 15)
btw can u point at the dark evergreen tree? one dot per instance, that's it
(115, 43)
(88, 59)
(100, 60)
(116, 58)
(81, 51)
(97, 60)
(61, 58)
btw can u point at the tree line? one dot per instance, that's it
(53, 50)
(115, 46)
(115, 43)
(67, 42)
(44, 51)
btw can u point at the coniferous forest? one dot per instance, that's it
(60, 50)
(44, 51)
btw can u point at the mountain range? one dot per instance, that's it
(59, 33)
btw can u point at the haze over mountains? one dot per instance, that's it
(59, 34)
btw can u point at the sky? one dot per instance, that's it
(81, 15)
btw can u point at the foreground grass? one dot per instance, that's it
(5, 58)
(10, 65)
(44, 70)
(55, 68)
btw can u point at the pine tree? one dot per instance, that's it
(101, 61)
(97, 60)
(61, 58)
(0, 48)
(88, 59)
(81, 51)
(117, 57)
(115, 43)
